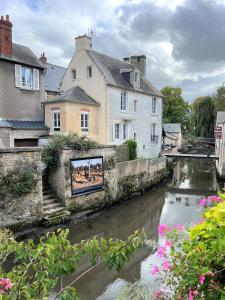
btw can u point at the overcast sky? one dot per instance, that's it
(184, 41)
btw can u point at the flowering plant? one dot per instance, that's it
(193, 258)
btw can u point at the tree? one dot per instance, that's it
(175, 109)
(203, 117)
(219, 99)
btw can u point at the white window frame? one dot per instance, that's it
(135, 106)
(30, 82)
(89, 71)
(84, 121)
(116, 131)
(124, 101)
(57, 120)
(137, 77)
(125, 131)
(154, 105)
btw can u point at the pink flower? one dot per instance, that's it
(162, 228)
(166, 265)
(190, 295)
(214, 198)
(201, 279)
(157, 293)
(168, 244)
(203, 202)
(5, 285)
(161, 251)
(178, 227)
(195, 293)
(155, 270)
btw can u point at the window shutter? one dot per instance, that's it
(36, 79)
(18, 75)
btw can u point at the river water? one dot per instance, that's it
(174, 202)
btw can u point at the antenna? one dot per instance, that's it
(91, 32)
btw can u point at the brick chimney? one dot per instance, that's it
(43, 59)
(5, 36)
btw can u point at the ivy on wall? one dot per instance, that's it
(16, 183)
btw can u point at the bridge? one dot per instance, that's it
(187, 155)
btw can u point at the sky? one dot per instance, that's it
(183, 40)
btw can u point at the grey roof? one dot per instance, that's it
(18, 124)
(220, 118)
(172, 127)
(53, 77)
(23, 55)
(75, 94)
(111, 69)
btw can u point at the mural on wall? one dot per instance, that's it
(87, 175)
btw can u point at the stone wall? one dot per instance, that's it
(121, 180)
(122, 153)
(19, 211)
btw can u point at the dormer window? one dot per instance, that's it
(89, 71)
(123, 102)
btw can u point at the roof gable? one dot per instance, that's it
(53, 77)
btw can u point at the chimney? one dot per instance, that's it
(126, 59)
(43, 59)
(5, 36)
(83, 42)
(139, 61)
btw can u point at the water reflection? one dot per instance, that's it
(174, 202)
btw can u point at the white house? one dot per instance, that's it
(130, 107)
(172, 136)
(220, 143)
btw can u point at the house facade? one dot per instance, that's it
(21, 92)
(172, 139)
(220, 144)
(127, 105)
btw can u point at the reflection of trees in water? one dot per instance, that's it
(200, 173)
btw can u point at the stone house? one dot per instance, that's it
(21, 92)
(172, 136)
(126, 105)
(220, 143)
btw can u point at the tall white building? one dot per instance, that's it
(130, 107)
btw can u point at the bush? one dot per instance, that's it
(50, 153)
(132, 149)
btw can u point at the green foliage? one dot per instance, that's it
(132, 149)
(203, 117)
(135, 292)
(50, 153)
(16, 183)
(219, 99)
(175, 109)
(197, 262)
(37, 268)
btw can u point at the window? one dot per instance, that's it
(154, 137)
(125, 129)
(135, 136)
(84, 121)
(135, 106)
(74, 74)
(89, 71)
(154, 105)
(137, 77)
(27, 78)
(123, 103)
(56, 120)
(116, 131)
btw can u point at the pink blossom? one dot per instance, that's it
(155, 270)
(201, 279)
(157, 293)
(214, 198)
(161, 251)
(190, 295)
(168, 244)
(162, 228)
(5, 285)
(195, 293)
(203, 202)
(166, 265)
(178, 227)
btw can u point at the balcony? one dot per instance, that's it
(154, 139)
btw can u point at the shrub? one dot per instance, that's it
(50, 153)
(17, 183)
(132, 149)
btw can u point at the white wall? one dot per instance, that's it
(220, 151)
(139, 122)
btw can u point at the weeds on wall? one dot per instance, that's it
(50, 153)
(132, 149)
(16, 183)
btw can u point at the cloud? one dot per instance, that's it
(184, 41)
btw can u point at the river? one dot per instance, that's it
(174, 202)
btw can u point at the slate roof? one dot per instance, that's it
(220, 118)
(172, 127)
(75, 94)
(53, 77)
(23, 55)
(111, 69)
(18, 124)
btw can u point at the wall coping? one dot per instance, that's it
(158, 159)
(94, 147)
(20, 149)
